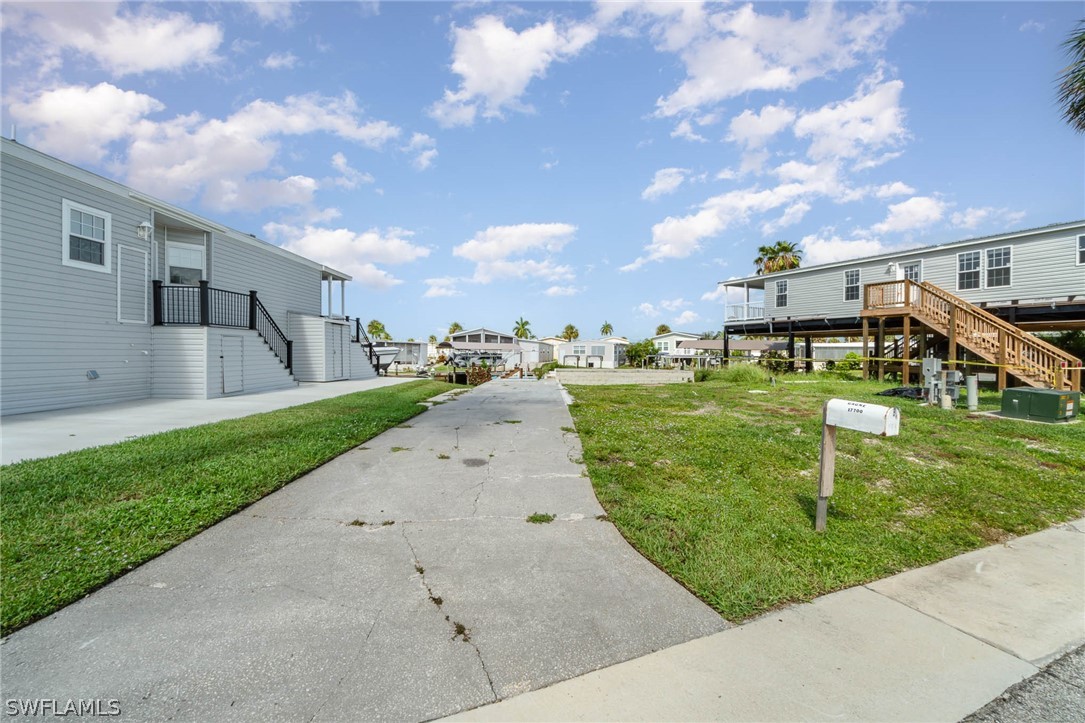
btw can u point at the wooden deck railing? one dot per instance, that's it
(1027, 357)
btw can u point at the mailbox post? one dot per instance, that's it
(862, 417)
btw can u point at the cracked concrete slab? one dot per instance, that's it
(287, 610)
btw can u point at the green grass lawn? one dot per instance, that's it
(72, 523)
(718, 485)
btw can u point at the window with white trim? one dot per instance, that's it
(968, 270)
(998, 266)
(781, 293)
(579, 350)
(913, 271)
(185, 263)
(1080, 250)
(597, 350)
(851, 285)
(87, 237)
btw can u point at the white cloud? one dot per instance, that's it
(280, 61)
(441, 287)
(120, 40)
(817, 250)
(271, 12)
(500, 252)
(77, 122)
(686, 317)
(896, 188)
(916, 212)
(356, 253)
(190, 155)
(666, 180)
(562, 291)
(673, 304)
(648, 310)
(349, 178)
(1033, 26)
(972, 218)
(724, 294)
(496, 64)
(791, 216)
(868, 121)
(425, 149)
(684, 129)
(753, 130)
(736, 50)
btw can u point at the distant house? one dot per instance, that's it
(597, 353)
(668, 345)
(971, 301)
(109, 295)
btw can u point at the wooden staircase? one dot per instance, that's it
(1029, 359)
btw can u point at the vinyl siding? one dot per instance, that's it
(307, 333)
(180, 362)
(1043, 269)
(262, 371)
(360, 368)
(61, 321)
(282, 284)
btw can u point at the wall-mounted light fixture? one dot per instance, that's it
(144, 230)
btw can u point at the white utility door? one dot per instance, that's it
(232, 359)
(339, 350)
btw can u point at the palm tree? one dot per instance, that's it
(570, 332)
(453, 328)
(376, 330)
(1072, 80)
(781, 256)
(521, 328)
(663, 329)
(607, 329)
(432, 338)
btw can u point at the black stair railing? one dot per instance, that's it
(362, 338)
(273, 335)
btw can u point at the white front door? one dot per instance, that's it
(232, 358)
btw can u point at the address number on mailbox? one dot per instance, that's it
(862, 417)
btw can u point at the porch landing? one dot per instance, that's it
(46, 434)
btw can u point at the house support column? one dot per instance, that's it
(329, 296)
(866, 348)
(343, 298)
(905, 366)
(922, 342)
(726, 347)
(879, 348)
(156, 301)
(952, 352)
(809, 355)
(791, 347)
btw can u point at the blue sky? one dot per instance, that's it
(568, 163)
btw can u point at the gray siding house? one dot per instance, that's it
(971, 302)
(107, 295)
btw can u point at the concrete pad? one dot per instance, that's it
(852, 655)
(1056, 694)
(47, 434)
(287, 610)
(1026, 596)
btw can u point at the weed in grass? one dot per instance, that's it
(443, 456)
(568, 430)
(512, 421)
(401, 449)
(388, 522)
(602, 518)
(540, 518)
(420, 570)
(132, 501)
(436, 600)
(358, 523)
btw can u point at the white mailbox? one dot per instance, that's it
(862, 417)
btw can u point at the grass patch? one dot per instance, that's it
(568, 430)
(540, 518)
(401, 449)
(513, 421)
(718, 486)
(443, 456)
(74, 522)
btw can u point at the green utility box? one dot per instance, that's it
(1041, 405)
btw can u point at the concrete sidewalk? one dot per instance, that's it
(401, 581)
(932, 644)
(47, 434)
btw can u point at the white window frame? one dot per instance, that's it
(858, 286)
(582, 350)
(1081, 250)
(186, 247)
(106, 267)
(987, 267)
(783, 283)
(904, 269)
(978, 270)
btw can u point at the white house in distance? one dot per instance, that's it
(109, 295)
(970, 301)
(599, 353)
(668, 345)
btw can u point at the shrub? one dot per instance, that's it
(743, 374)
(777, 362)
(639, 351)
(702, 375)
(543, 369)
(851, 362)
(477, 375)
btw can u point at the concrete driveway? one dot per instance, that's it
(446, 598)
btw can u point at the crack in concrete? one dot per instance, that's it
(339, 683)
(458, 629)
(481, 487)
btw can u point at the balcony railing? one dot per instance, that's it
(745, 312)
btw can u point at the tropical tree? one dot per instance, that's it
(570, 332)
(432, 338)
(454, 327)
(521, 328)
(607, 329)
(663, 329)
(710, 335)
(781, 256)
(639, 351)
(376, 330)
(1072, 80)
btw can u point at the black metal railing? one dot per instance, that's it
(367, 346)
(273, 335)
(204, 306)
